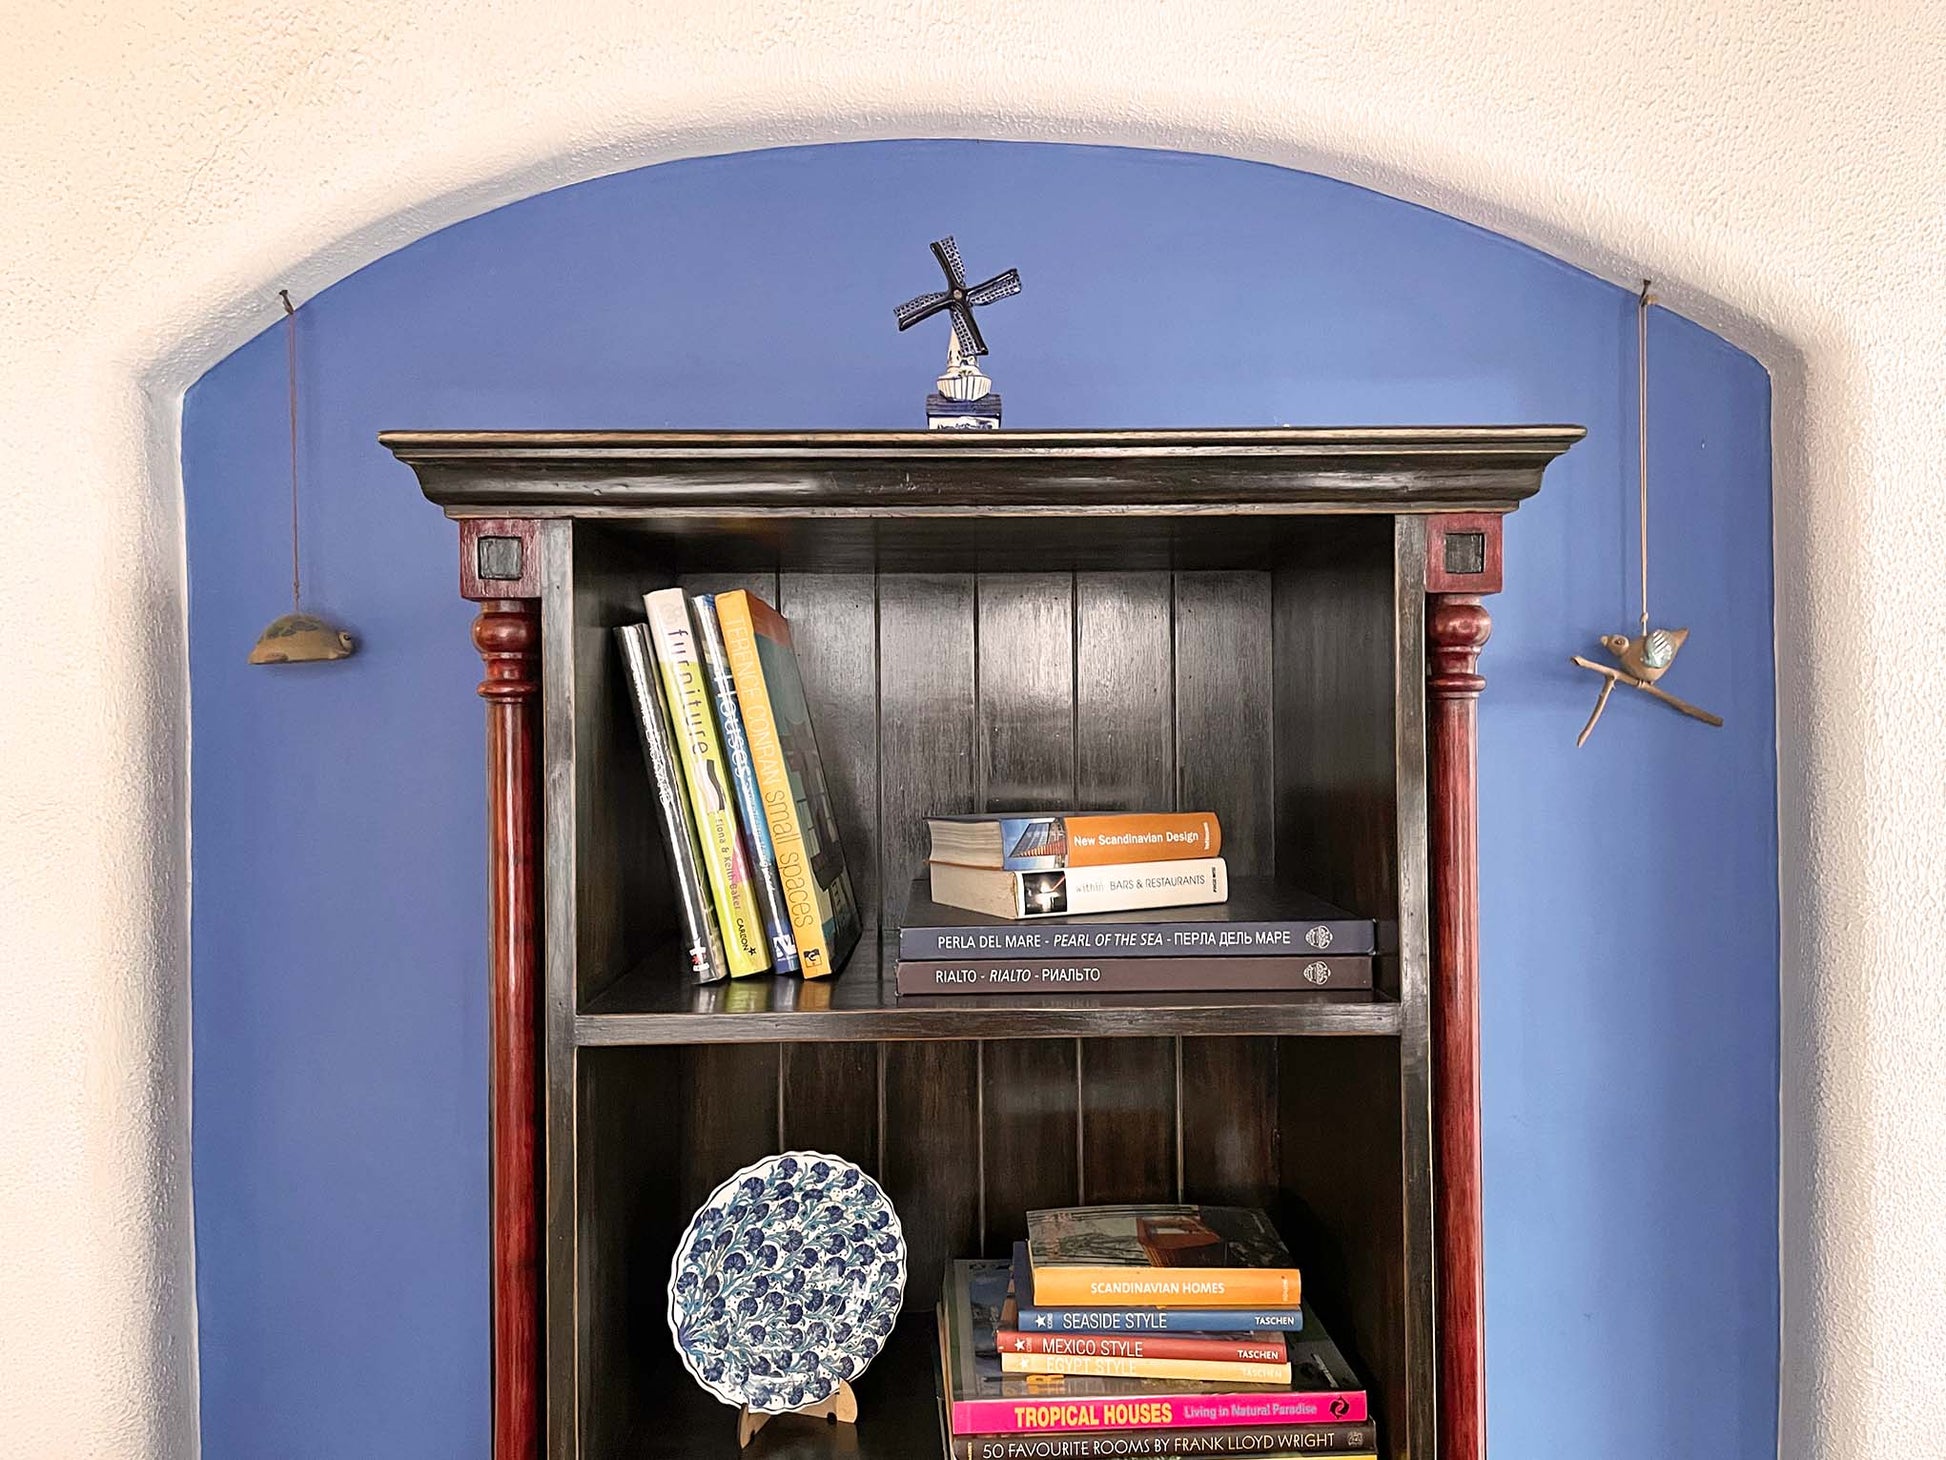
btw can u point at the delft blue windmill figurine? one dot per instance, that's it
(965, 400)
(1644, 659)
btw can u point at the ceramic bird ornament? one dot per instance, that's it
(1647, 656)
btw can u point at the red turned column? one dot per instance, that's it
(500, 557)
(1462, 562)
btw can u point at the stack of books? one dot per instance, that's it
(746, 819)
(1113, 903)
(1142, 1330)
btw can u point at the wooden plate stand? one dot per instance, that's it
(842, 1408)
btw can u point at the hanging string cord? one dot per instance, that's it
(290, 359)
(1642, 443)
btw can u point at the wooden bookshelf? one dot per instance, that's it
(1282, 626)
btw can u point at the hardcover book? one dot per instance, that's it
(790, 777)
(1232, 1348)
(1012, 1362)
(1260, 917)
(1047, 843)
(1025, 1312)
(1120, 888)
(707, 777)
(982, 1399)
(1353, 1441)
(743, 781)
(1356, 1440)
(708, 962)
(1132, 975)
(1170, 1256)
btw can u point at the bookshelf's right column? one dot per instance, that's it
(1462, 563)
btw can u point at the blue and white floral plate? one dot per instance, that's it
(787, 1281)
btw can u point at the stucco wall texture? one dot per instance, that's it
(1773, 163)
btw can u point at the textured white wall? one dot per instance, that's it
(166, 167)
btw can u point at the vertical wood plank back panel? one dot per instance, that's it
(1125, 759)
(834, 628)
(1343, 1208)
(1124, 692)
(1229, 1120)
(1030, 1134)
(926, 715)
(729, 1103)
(623, 906)
(1224, 761)
(1335, 630)
(1223, 745)
(828, 1099)
(630, 1216)
(1128, 1120)
(932, 1156)
(830, 1095)
(1025, 731)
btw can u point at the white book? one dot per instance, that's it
(1124, 887)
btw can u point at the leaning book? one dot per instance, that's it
(982, 1399)
(790, 778)
(701, 942)
(755, 826)
(706, 775)
(1170, 1256)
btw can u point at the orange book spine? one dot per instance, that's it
(1167, 1287)
(1161, 836)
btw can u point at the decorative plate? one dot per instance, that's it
(787, 1281)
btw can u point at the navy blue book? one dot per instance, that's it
(1030, 1318)
(755, 825)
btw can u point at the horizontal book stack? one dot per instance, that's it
(1113, 903)
(754, 857)
(1142, 1330)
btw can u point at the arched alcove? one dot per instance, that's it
(339, 1036)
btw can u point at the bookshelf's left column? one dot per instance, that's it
(500, 570)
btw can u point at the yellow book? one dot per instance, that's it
(706, 775)
(1222, 1370)
(790, 781)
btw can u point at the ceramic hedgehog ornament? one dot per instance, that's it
(1644, 659)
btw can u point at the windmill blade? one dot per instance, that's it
(1000, 286)
(947, 252)
(924, 307)
(971, 342)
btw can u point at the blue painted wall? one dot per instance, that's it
(1630, 896)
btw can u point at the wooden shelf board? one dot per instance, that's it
(651, 1004)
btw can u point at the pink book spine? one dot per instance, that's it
(1161, 1411)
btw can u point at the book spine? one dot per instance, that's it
(1132, 975)
(1239, 1348)
(1351, 936)
(1300, 1439)
(1159, 1320)
(707, 778)
(1202, 1370)
(1158, 1412)
(704, 945)
(794, 872)
(743, 780)
(1111, 840)
(1179, 1287)
(1128, 887)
